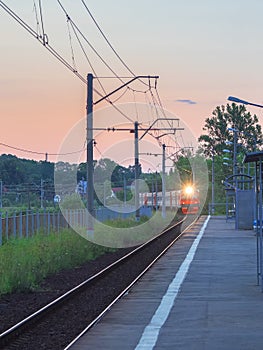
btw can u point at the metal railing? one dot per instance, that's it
(227, 209)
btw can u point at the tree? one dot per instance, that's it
(218, 131)
(12, 170)
(184, 169)
(104, 170)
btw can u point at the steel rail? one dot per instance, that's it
(96, 320)
(17, 328)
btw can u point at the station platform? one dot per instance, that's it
(201, 295)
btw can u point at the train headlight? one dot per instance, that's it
(189, 190)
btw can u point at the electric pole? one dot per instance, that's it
(136, 155)
(90, 180)
(163, 184)
(90, 175)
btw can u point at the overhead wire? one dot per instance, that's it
(31, 31)
(39, 153)
(139, 91)
(77, 30)
(73, 69)
(154, 103)
(118, 98)
(96, 146)
(71, 47)
(36, 15)
(136, 110)
(93, 70)
(88, 42)
(88, 60)
(42, 22)
(107, 99)
(107, 40)
(36, 35)
(96, 51)
(170, 123)
(85, 54)
(51, 49)
(157, 105)
(157, 101)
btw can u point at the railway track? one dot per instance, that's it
(56, 325)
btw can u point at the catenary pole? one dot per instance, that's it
(90, 176)
(136, 156)
(163, 183)
(90, 180)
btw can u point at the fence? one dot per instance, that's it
(27, 224)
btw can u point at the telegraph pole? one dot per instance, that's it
(90, 180)
(136, 155)
(163, 184)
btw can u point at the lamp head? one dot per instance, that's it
(238, 100)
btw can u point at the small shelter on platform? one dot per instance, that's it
(240, 191)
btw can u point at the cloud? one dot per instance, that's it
(190, 102)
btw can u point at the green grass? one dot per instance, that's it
(127, 233)
(125, 223)
(24, 263)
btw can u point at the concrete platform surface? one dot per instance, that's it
(202, 295)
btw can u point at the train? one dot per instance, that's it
(186, 200)
(189, 200)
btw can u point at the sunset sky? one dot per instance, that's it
(202, 50)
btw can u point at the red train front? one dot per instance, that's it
(189, 200)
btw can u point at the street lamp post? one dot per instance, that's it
(213, 183)
(238, 100)
(235, 174)
(235, 131)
